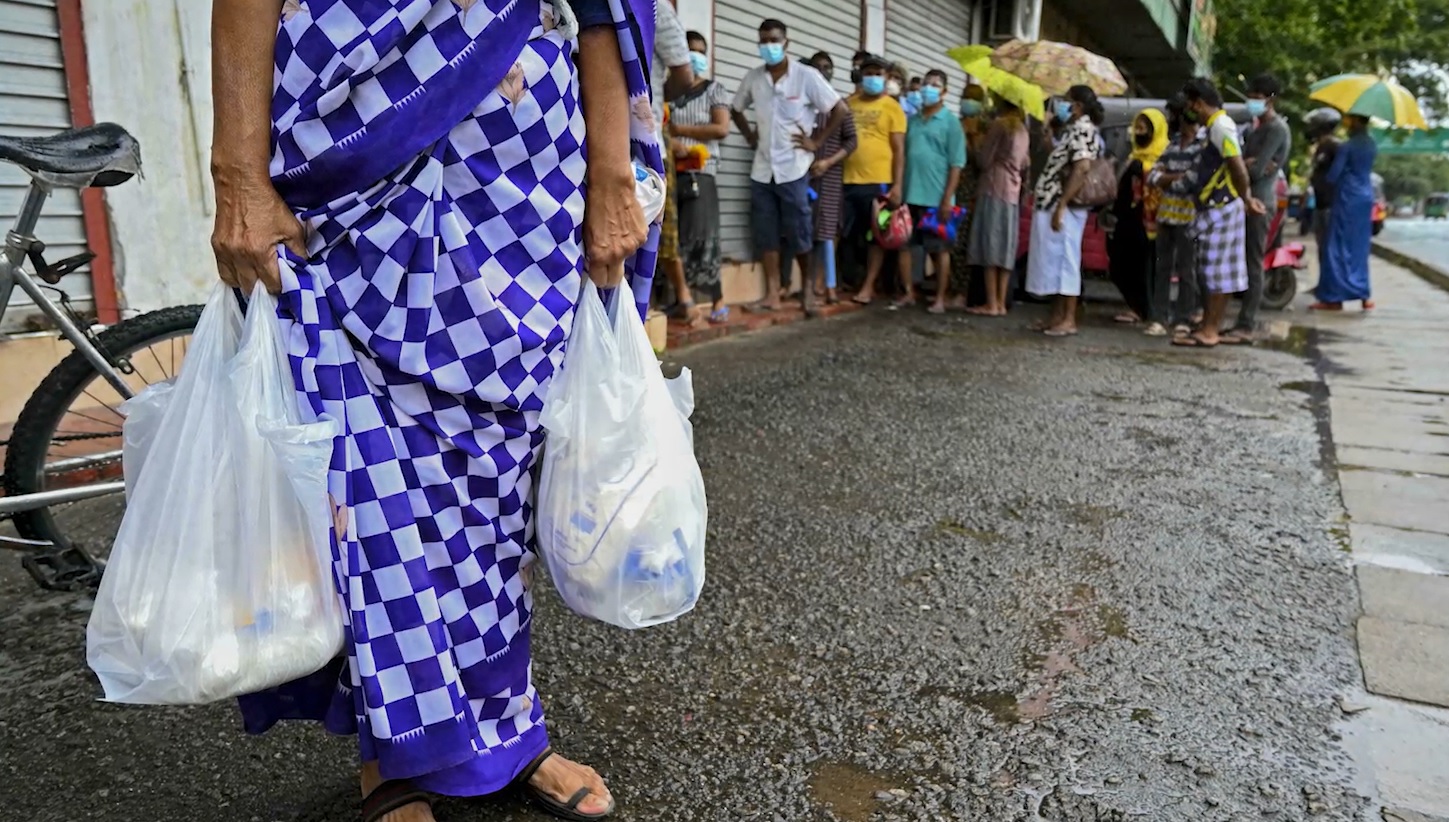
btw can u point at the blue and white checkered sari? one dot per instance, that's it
(435, 151)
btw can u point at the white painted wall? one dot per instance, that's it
(150, 71)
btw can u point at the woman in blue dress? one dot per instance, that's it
(1344, 271)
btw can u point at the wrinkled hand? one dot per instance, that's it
(614, 227)
(251, 221)
(1256, 207)
(1057, 218)
(805, 142)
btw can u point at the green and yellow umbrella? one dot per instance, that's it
(976, 61)
(1369, 95)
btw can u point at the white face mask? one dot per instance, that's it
(893, 88)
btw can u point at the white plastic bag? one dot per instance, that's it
(220, 581)
(621, 505)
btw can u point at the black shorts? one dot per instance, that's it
(857, 207)
(931, 241)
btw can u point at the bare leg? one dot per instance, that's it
(683, 297)
(906, 268)
(1212, 320)
(874, 258)
(1002, 278)
(770, 260)
(806, 261)
(1064, 314)
(942, 261)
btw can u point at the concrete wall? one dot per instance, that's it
(150, 71)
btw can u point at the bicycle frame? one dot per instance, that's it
(21, 243)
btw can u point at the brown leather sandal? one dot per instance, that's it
(563, 810)
(392, 795)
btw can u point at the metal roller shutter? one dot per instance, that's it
(33, 102)
(815, 25)
(918, 33)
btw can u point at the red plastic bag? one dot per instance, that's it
(893, 226)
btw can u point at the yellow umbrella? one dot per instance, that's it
(976, 61)
(1369, 95)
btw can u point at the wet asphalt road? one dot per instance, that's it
(957, 572)
(1418, 238)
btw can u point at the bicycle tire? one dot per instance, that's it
(30, 439)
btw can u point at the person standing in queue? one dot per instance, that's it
(1266, 147)
(1345, 273)
(967, 279)
(700, 118)
(786, 98)
(1054, 262)
(826, 177)
(671, 74)
(1224, 200)
(876, 168)
(1175, 176)
(1004, 160)
(935, 155)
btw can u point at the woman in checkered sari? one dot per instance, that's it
(420, 166)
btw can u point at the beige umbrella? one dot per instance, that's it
(1056, 67)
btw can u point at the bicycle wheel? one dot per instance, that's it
(69, 433)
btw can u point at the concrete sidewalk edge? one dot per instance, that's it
(1430, 274)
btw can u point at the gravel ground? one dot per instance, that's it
(957, 572)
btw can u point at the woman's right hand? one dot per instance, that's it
(251, 221)
(614, 226)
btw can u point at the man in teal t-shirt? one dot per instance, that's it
(935, 155)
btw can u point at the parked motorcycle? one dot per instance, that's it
(1282, 262)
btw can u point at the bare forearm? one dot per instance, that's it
(743, 124)
(712, 131)
(604, 95)
(1074, 185)
(1239, 172)
(243, 38)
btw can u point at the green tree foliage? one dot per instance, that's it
(1413, 176)
(1303, 41)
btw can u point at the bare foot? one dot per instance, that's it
(416, 812)
(864, 297)
(1061, 330)
(560, 779)
(957, 303)
(937, 307)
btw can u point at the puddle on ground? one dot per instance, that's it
(954, 528)
(1302, 386)
(1114, 621)
(999, 705)
(848, 791)
(1298, 340)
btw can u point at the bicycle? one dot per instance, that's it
(62, 474)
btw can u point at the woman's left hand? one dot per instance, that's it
(614, 227)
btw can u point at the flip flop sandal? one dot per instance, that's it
(390, 796)
(1192, 341)
(1127, 319)
(720, 316)
(1057, 332)
(563, 810)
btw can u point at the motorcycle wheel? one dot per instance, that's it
(1377, 228)
(1280, 286)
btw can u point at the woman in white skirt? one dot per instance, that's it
(1054, 261)
(1005, 157)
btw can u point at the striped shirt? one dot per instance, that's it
(697, 109)
(1178, 205)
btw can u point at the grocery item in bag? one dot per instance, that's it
(220, 579)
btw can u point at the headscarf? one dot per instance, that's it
(974, 127)
(1148, 154)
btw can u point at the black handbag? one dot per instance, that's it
(687, 185)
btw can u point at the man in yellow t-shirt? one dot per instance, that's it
(876, 166)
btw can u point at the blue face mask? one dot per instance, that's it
(1063, 110)
(699, 62)
(772, 53)
(873, 84)
(930, 95)
(970, 108)
(914, 98)
(1257, 108)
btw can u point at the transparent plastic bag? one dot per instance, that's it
(220, 579)
(621, 504)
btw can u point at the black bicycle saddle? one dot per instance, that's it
(100, 155)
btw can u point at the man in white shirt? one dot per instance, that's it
(786, 98)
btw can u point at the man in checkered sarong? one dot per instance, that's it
(1224, 201)
(412, 185)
